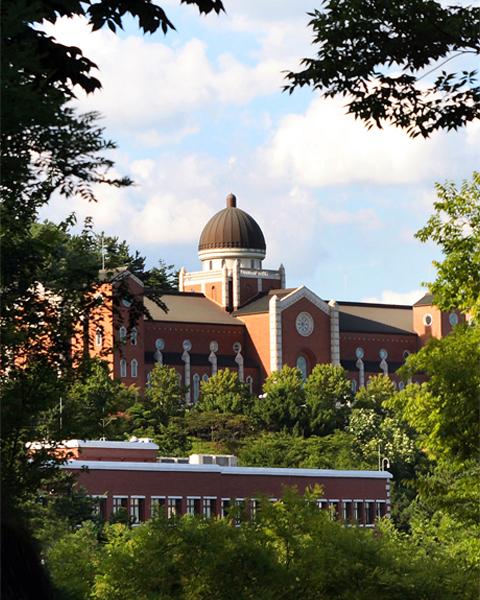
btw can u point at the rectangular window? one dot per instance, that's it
(209, 507)
(157, 506)
(137, 510)
(100, 507)
(322, 504)
(239, 510)
(347, 511)
(369, 512)
(254, 508)
(381, 509)
(358, 511)
(334, 509)
(120, 502)
(194, 506)
(225, 507)
(174, 507)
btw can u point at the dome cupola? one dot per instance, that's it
(232, 234)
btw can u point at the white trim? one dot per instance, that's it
(103, 465)
(157, 497)
(334, 333)
(209, 497)
(275, 334)
(119, 496)
(105, 444)
(212, 253)
(175, 497)
(304, 292)
(193, 497)
(136, 496)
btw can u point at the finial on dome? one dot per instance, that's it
(231, 201)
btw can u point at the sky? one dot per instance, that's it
(200, 113)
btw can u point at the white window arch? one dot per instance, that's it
(302, 366)
(134, 336)
(249, 382)
(196, 387)
(122, 334)
(134, 368)
(99, 337)
(123, 368)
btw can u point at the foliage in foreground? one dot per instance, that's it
(292, 550)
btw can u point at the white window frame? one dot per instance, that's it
(134, 509)
(249, 382)
(134, 336)
(123, 367)
(134, 368)
(172, 506)
(122, 334)
(99, 337)
(155, 504)
(115, 506)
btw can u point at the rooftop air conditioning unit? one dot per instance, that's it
(223, 460)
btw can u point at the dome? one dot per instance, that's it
(232, 228)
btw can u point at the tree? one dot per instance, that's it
(95, 405)
(225, 393)
(282, 406)
(444, 410)
(379, 54)
(164, 398)
(328, 394)
(164, 277)
(455, 227)
(379, 389)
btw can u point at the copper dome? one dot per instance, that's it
(232, 228)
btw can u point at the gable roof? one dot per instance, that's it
(188, 307)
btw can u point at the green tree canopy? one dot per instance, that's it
(225, 393)
(328, 394)
(163, 399)
(378, 390)
(455, 227)
(379, 54)
(282, 406)
(96, 404)
(445, 408)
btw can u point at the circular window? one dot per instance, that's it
(383, 354)
(453, 319)
(159, 344)
(427, 319)
(359, 353)
(187, 345)
(304, 324)
(213, 346)
(406, 354)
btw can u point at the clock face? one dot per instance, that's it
(187, 345)
(304, 324)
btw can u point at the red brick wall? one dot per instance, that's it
(315, 347)
(258, 340)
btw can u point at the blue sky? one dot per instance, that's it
(200, 113)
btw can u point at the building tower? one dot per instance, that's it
(231, 249)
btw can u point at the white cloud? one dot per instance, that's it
(392, 297)
(324, 146)
(147, 82)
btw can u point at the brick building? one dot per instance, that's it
(131, 476)
(236, 314)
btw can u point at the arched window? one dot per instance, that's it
(249, 382)
(205, 377)
(123, 368)
(196, 386)
(401, 385)
(302, 366)
(149, 379)
(354, 386)
(122, 334)
(133, 336)
(214, 293)
(99, 337)
(134, 368)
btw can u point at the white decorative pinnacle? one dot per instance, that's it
(334, 333)
(274, 311)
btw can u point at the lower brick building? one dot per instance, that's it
(129, 475)
(236, 314)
